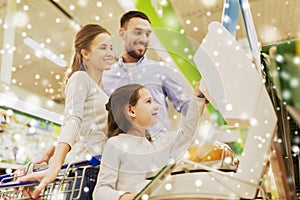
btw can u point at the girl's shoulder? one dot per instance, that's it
(114, 142)
(124, 138)
(117, 137)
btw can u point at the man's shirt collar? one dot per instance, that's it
(122, 64)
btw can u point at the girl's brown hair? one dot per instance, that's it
(123, 97)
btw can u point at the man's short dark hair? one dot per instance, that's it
(132, 14)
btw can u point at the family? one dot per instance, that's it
(120, 111)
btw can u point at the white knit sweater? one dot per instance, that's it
(85, 117)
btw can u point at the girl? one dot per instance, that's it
(131, 151)
(85, 116)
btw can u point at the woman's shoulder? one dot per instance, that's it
(79, 74)
(79, 77)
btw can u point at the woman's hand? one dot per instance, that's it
(21, 171)
(44, 177)
(39, 163)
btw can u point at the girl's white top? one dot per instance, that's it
(126, 158)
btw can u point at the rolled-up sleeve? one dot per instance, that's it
(177, 89)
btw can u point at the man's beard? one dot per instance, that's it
(135, 55)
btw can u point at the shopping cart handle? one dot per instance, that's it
(30, 167)
(6, 176)
(94, 161)
(18, 184)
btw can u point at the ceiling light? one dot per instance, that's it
(45, 52)
(25, 7)
(82, 3)
(20, 19)
(99, 4)
(188, 21)
(48, 40)
(37, 76)
(71, 7)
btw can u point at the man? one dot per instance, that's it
(133, 66)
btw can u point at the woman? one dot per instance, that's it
(130, 151)
(84, 126)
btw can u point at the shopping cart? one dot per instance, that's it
(67, 185)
